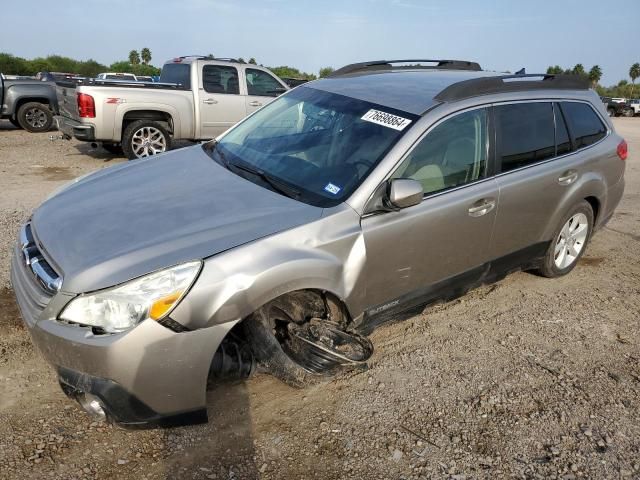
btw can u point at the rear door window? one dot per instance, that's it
(262, 84)
(584, 124)
(220, 79)
(525, 134)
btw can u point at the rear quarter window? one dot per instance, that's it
(179, 73)
(584, 124)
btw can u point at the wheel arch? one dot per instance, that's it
(591, 188)
(128, 114)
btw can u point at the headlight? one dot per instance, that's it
(120, 308)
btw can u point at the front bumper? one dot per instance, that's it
(149, 375)
(72, 128)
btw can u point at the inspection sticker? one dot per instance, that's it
(386, 119)
(332, 189)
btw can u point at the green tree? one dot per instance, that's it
(285, 71)
(555, 70)
(595, 74)
(241, 60)
(325, 72)
(634, 72)
(252, 61)
(145, 54)
(578, 69)
(134, 57)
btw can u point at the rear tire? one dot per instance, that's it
(144, 138)
(628, 112)
(611, 112)
(35, 117)
(569, 242)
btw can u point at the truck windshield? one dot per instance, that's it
(320, 144)
(178, 73)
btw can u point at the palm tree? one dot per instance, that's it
(145, 54)
(252, 61)
(595, 74)
(634, 72)
(578, 69)
(134, 57)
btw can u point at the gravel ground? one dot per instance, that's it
(526, 378)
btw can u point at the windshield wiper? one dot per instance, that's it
(278, 185)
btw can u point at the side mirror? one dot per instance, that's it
(405, 192)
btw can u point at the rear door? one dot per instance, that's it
(537, 171)
(220, 103)
(262, 88)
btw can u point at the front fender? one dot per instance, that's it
(236, 283)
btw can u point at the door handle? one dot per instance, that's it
(255, 103)
(568, 177)
(210, 101)
(481, 207)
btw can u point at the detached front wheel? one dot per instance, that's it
(144, 138)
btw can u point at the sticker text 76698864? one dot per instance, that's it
(386, 119)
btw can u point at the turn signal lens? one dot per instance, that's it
(160, 307)
(622, 150)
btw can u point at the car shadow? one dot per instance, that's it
(222, 448)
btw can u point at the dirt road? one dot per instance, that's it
(527, 378)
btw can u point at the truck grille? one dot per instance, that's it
(34, 281)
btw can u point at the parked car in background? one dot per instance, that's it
(344, 204)
(617, 107)
(197, 98)
(144, 78)
(634, 103)
(117, 76)
(28, 103)
(54, 76)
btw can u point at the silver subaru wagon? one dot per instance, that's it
(346, 203)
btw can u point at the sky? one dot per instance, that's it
(502, 35)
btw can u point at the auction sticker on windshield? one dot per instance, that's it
(386, 119)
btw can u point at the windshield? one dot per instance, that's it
(319, 144)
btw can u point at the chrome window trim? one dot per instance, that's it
(554, 158)
(497, 175)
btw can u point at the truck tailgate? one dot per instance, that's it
(67, 103)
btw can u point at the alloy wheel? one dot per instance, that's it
(148, 141)
(36, 118)
(571, 240)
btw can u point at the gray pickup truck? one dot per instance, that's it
(28, 104)
(197, 98)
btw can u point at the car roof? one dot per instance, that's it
(418, 90)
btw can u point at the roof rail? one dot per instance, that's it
(388, 64)
(511, 83)
(207, 57)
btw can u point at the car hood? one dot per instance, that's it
(132, 219)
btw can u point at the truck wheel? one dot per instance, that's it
(35, 117)
(113, 148)
(628, 112)
(14, 122)
(144, 138)
(569, 242)
(611, 112)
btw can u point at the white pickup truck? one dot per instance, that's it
(197, 98)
